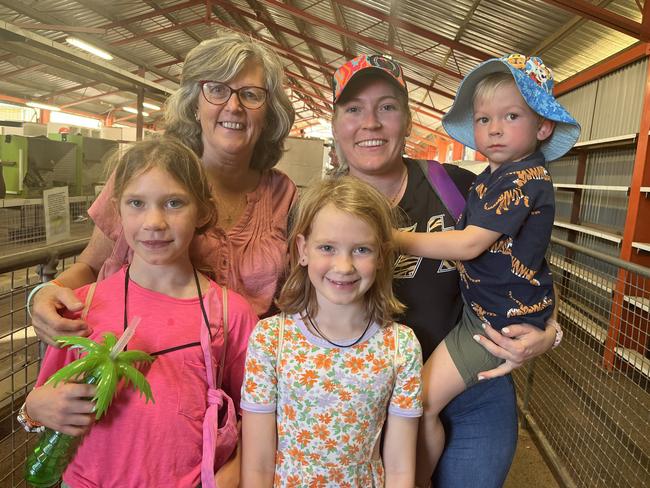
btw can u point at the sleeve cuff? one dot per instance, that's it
(256, 407)
(405, 412)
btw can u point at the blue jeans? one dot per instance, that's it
(481, 436)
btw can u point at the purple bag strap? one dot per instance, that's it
(444, 186)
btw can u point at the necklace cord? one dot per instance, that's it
(203, 312)
(324, 337)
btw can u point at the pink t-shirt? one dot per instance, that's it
(250, 258)
(159, 444)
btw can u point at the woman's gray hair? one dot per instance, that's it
(222, 59)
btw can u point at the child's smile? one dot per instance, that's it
(341, 257)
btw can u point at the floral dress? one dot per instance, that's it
(330, 402)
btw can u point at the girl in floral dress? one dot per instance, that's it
(328, 373)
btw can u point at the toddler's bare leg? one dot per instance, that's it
(441, 383)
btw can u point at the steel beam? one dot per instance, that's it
(601, 16)
(149, 34)
(232, 8)
(617, 61)
(154, 13)
(87, 99)
(645, 21)
(416, 29)
(23, 101)
(27, 43)
(301, 14)
(419, 104)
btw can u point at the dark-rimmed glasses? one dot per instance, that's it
(217, 93)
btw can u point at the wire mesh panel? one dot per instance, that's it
(22, 222)
(19, 363)
(590, 397)
(19, 359)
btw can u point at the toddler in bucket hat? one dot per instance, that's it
(504, 108)
(534, 80)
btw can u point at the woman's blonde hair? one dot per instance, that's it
(222, 59)
(175, 158)
(359, 199)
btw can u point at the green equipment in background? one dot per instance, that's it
(90, 157)
(33, 164)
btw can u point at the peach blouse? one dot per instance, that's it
(250, 258)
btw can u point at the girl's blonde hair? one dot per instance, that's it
(359, 199)
(222, 59)
(175, 158)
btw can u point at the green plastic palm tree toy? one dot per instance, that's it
(104, 364)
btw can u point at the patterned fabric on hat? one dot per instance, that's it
(345, 73)
(534, 68)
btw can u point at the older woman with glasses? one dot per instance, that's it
(231, 109)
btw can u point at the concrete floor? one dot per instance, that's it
(529, 470)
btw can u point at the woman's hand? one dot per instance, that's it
(516, 344)
(51, 300)
(229, 474)
(46, 318)
(67, 407)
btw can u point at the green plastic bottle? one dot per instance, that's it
(52, 454)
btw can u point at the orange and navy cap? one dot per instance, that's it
(381, 64)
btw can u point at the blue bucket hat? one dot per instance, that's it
(535, 83)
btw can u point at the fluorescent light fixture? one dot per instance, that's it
(43, 106)
(132, 110)
(150, 105)
(88, 48)
(71, 119)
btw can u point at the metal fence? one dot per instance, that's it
(588, 401)
(19, 347)
(22, 222)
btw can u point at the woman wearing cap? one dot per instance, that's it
(370, 124)
(231, 108)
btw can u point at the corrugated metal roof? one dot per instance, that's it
(437, 41)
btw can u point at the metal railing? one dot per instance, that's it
(22, 222)
(588, 401)
(19, 348)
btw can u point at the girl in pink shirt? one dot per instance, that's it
(162, 198)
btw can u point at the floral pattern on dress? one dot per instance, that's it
(331, 403)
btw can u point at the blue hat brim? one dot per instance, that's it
(458, 122)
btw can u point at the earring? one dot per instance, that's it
(196, 116)
(303, 261)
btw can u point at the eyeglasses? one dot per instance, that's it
(216, 93)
